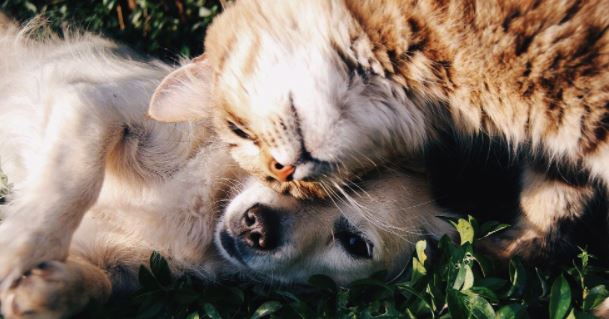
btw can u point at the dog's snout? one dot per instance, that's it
(259, 228)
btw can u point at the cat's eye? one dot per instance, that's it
(353, 241)
(239, 132)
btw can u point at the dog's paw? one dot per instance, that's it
(50, 290)
(23, 249)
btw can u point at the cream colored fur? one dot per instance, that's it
(97, 186)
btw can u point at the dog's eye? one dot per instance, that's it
(239, 132)
(355, 244)
(352, 240)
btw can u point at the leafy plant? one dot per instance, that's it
(459, 283)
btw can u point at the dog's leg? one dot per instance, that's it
(62, 183)
(56, 290)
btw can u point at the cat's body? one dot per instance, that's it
(318, 92)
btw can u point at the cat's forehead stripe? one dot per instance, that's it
(249, 63)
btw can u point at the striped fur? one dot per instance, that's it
(335, 88)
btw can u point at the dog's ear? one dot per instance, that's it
(184, 94)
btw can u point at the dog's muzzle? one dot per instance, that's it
(256, 232)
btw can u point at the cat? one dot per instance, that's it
(312, 94)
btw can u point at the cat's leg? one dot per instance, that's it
(56, 290)
(63, 181)
(550, 207)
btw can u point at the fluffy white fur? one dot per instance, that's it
(98, 185)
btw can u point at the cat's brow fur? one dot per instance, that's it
(533, 71)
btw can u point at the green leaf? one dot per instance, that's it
(465, 230)
(420, 300)
(595, 297)
(418, 262)
(582, 315)
(302, 309)
(479, 307)
(323, 282)
(492, 283)
(152, 311)
(211, 311)
(513, 311)
(571, 314)
(420, 308)
(486, 265)
(420, 249)
(185, 297)
(490, 228)
(560, 298)
(584, 257)
(518, 277)
(160, 268)
(485, 292)
(31, 7)
(204, 12)
(468, 281)
(543, 282)
(266, 309)
(288, 295)
(146, 279)
(456, 304)
(418, 270)
(5, 187)
(194, 315)
(460, 278)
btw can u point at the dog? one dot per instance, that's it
(97, 185)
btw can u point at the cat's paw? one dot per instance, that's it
(516, 241)
(50, 290)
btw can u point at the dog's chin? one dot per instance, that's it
(226, 245)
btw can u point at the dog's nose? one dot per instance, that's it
(260, 228)
(283, 173)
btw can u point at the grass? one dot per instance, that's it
(167, 29)
(459, 283)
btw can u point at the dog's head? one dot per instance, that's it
(281, 239)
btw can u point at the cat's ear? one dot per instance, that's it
(184, 94)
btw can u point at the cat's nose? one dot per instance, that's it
(283, 173)
(259, 228)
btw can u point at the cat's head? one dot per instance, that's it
(299, 106)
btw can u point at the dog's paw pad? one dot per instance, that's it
(49, 290)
